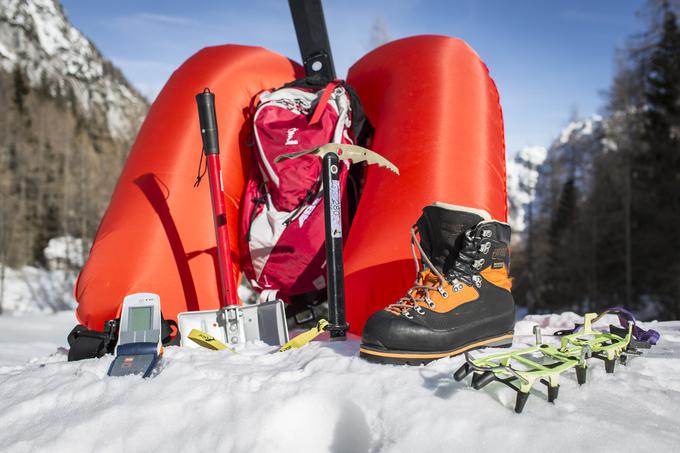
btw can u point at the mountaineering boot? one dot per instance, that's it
(461, 298)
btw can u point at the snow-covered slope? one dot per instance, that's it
(36, 35)
(575, 147)
(522, 176)
(323, 398)
(31, 289)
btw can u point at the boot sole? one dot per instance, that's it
(421, 358)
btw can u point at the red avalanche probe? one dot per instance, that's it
(211, 149)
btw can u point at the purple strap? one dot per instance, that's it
(625, 316)
(650, 336)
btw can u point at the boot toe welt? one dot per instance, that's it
(377, 328)
(385, 330)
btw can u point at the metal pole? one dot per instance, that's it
(332, 208)
(312, 36)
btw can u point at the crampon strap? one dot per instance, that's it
(207, 341)
(625, 316)
(306, 337)
(210, 342)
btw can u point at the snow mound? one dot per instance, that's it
(34, 290)
(323, 397)
(65, 251)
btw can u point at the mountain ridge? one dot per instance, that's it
(37, 36)
(67, 122)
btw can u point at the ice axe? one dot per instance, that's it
(331, 154)
(352, 153)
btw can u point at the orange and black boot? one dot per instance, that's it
(461, 298)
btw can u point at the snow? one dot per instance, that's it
(6, 53)
(522, 177)
(322, 397)
(34, 290)
(49, 31)
(67, 250)
(23, 338)
(579, 128)
(31, 289)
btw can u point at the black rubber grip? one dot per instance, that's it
(208, 121)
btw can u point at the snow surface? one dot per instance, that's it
(322, 397)
(23, 338)
(33, 289)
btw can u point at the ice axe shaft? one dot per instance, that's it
(335, 285)
(331, 154)
(211, 149)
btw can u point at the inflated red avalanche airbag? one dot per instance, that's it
(438, 118)
(436, 115)
(157, 234)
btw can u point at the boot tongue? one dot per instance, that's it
(441, 232)
(428, 278)
(425, 278)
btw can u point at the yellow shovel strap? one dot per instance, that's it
(305, 337)
(207, 341)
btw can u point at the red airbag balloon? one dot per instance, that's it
(438, 118)
(157, 234)
(436, 115)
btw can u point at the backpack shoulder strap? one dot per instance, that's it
(89, 344)
(361, 126)
(168, 337)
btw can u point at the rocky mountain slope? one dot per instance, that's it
(67, 120)
(37, 36)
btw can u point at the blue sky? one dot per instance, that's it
(549, 58)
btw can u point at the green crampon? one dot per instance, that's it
(545, 363)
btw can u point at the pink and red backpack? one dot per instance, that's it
(282, 223)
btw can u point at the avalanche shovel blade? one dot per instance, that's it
(234, 325)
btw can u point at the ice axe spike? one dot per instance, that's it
(345, 152)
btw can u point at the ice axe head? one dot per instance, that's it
(352, 153)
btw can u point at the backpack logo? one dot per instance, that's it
(291, 136)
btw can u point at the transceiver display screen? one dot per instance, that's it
(140, 318)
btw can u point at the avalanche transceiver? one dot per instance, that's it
(139, 338)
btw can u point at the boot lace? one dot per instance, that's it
(467, 265)
(420, 290)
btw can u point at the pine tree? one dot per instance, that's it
(656, 170)
(21, 89)
(662, 92)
